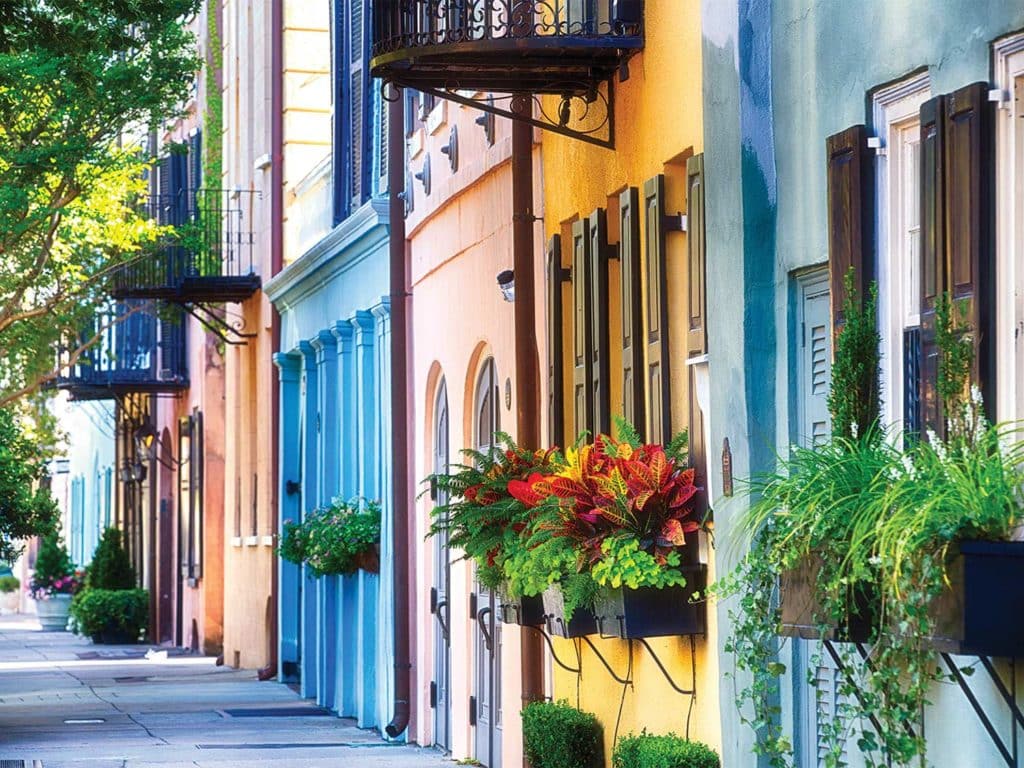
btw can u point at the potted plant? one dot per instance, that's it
(557, 735)
(668, 751)
(336, 540)
(900, 541)
(609, 529)
(483, 519)
(9, 596)
(53, 584)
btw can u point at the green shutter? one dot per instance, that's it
(582, 329)
(697, 334)
(630, 301)
(599, 363)
(933, 256)
(556, 375)
(659, 425)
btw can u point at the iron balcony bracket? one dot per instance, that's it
(217, 325)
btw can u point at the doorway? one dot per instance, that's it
(439, 600)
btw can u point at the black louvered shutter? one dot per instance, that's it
(850, 215)
(599, 363)
(582, 328)
(163, 191)
(933, 258)
(630, 301)
(659, 415)
(195, 162)
(556, 375)
(697, 335)
(970, 223)
(357, 104)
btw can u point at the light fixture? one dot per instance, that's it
(138, 471)
(507, 284)
(145, 440)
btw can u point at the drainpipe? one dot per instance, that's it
(527, 363)
(276, 263)
(400, 416)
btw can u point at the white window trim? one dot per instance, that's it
(894, 108)
(1008, 55)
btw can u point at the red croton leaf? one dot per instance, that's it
(672, 534)
(531, 491)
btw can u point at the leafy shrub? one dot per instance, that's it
(9, 584)
(335, 540)
(111, 566)
(669, 751)
(557, 735)
(111, 613)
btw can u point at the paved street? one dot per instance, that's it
(68, 704)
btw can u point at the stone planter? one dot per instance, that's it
(53, 613)
(650, 612)
(583, 621)
(9, 602)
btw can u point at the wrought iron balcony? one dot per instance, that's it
(132, 346)
(207, 256)
(514, 50)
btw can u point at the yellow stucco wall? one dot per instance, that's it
(658, 125)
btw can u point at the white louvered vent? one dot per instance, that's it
(819, 360)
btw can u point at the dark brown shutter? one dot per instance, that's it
(556, 375)
(697, 334)
(632, 308)
(658, 391)
(599, 363)
(581, 329)
(969, 165)
(933, 256)
(851, 215)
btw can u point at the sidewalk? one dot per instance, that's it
(69, 704)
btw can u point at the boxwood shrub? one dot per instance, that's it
(111, 615)
(557, 735)
(668, 751)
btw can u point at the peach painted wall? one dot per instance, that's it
(460, 238)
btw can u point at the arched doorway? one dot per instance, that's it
(440, 607)
(487, 643)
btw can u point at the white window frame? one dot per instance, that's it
(896, 113)
(1008, 60)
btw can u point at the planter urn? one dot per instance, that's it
(9, 602)
(53, 613)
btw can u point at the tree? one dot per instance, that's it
(78, 79)
(26, 506)
(111, 566)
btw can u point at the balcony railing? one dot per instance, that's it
(206, 255)
(514, 51)
(507, 46)
(132, 346)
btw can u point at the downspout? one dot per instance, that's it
(400, 416)
(276, 263)
(527, 363)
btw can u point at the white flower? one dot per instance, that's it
(976, 395)
(908, 466)
(853, 429)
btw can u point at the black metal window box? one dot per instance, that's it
(206, 255)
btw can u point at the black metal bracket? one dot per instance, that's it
(593, 111)
(551, 647)
(1011, 755)
(846, 674)
(628, 680)
(217, 325)
(692, 691)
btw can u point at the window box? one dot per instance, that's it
(801, 610)
(650, 612)
(583, 621)
(524, 611)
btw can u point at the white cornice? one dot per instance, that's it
(342, 247)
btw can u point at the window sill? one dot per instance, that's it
(252, 541)
(236, 541)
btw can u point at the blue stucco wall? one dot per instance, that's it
(779, 77)
(334, 367)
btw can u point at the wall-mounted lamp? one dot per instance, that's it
(145, 441)
(507, 284)
(138, 472)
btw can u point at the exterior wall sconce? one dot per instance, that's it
(507, 285)
(145, 440)
(424, 175)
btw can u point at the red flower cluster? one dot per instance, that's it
(609, 488)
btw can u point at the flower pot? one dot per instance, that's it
(9, 603)
(650, 612)
(802, 614)
(369, 560)
(53, 612)
(526, 611)
(583, 621)
(979, 613)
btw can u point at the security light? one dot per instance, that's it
(507, 284)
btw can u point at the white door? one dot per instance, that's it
(441, 687)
